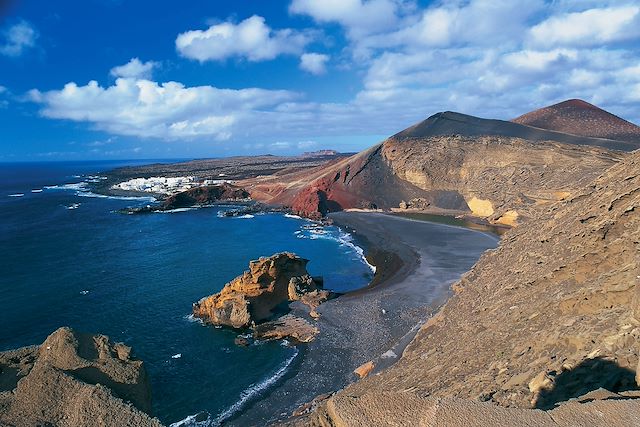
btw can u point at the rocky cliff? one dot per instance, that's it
(551, 315)
(74, 379)
(255, 295)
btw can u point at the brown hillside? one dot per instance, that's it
(496, 177)
(578, 117)
(550, 315)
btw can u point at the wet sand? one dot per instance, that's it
(416, 263)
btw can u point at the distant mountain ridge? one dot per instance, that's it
(578, 117)
(450, 123)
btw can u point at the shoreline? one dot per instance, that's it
(412, 281)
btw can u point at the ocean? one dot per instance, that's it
(67, 258)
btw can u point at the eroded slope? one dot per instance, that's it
(552, 314)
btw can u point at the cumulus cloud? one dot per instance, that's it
(314, 63)
(359, 17)
(135, 68)
(478, 57)
(502, 58)
(251, 39)
(144, 108)
(18, 38)
(588, 28)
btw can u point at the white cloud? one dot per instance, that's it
(251, 39)
(473, 56)
(143, 108)
(314, 63)
(18, 38)
(360, 17)
(588, 28)
(135, 69)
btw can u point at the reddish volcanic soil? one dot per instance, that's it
(578, 117)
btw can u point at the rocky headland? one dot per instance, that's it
(74, 379)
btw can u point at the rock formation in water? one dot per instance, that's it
(289, 327)
(253, 297)
(204, 195)
(74, 379)
(551, 315)
(497, 170)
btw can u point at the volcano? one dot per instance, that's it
(578, 117)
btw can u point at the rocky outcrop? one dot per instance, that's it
(204, 195)
(255, 295)
(286, 327)
(549, 316)
(74, 379)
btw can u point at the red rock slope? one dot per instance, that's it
(578, 117)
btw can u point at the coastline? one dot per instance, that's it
(412, 281)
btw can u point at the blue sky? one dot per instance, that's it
(104, 79)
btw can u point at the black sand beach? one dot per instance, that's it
(416, 263)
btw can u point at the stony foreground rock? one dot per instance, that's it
(74, 379)
(255, 295)
(549, 316)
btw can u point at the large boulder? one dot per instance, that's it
(253, 296)
(74, 379)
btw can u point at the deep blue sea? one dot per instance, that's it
(67, 258)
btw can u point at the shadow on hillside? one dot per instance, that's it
(589, 375)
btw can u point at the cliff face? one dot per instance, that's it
(550, 315)
(499, 178)
(74, 379)
(254, 295)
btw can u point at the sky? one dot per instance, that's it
(125, 79)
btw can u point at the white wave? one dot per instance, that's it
(104, 196)
(82, 190)
(193, 319)
(73, 206)
(177, 356)
(346, 239)
(191, 421)
(250, 393)
(293, 216)
(84, 292)
(16, 195)
(314, 232)
(77, 186)
(246, 216)
(177, 210)
(254, 390)
(37, 190)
